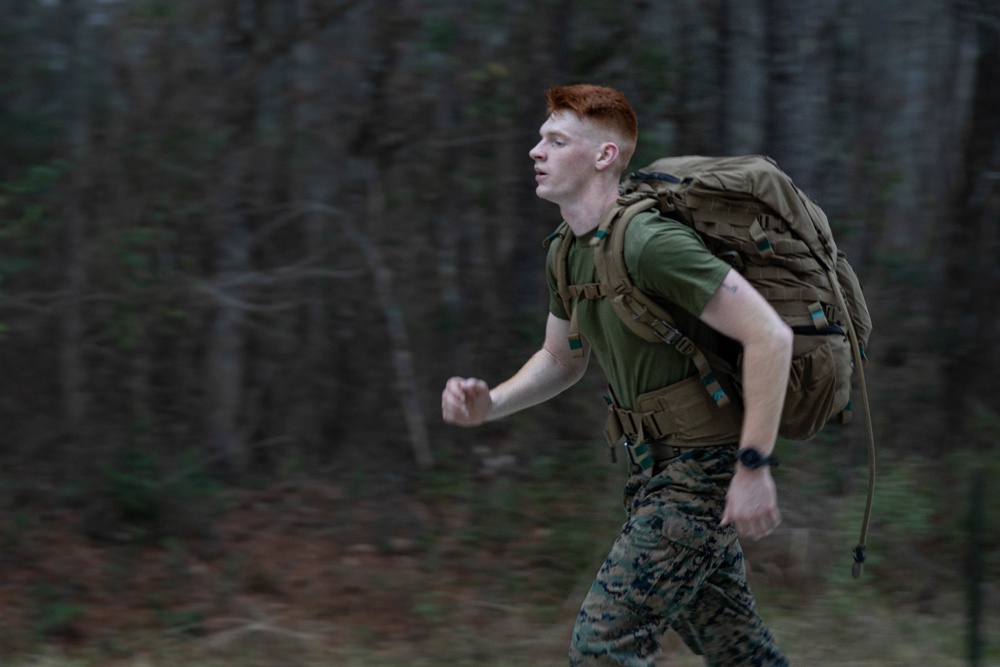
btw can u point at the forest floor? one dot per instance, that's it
(481, 571)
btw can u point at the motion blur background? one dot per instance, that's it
(243, 243)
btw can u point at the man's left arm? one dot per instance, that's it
(740, 312)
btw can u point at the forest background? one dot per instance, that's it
(243, 244)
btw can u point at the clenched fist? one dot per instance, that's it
(465, 401)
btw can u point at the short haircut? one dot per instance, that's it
(605, 107)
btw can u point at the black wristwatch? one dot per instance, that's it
(752, 458)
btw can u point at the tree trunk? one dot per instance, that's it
(78, 121)
(744, 78)
(968, 318)
(798, 86)
(226, 366)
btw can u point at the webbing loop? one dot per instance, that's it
(761, 240)
(574, 339)
(818, 314)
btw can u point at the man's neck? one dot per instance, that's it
(584, 214)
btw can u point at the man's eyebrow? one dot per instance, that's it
(553, 133)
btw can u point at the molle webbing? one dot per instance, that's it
(680, 415)
(752, 216)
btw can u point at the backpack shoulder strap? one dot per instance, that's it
(570, 293)
(564, 237)
(567, 292)
(638, 311)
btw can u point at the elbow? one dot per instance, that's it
(773, 338)
(567, 368)
(784, 339)
(574, 368)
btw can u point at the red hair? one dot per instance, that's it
(605, 107)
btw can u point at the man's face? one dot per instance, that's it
(565, 157)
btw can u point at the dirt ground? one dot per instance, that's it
(316, 568)
(271, 556)
(306, 564)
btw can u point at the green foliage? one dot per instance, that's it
(26, 223)
(177, 621)
(121, 570)
(25, 216)
(903, 514)
(24, 135)
(961, 522)
(446, 482)
(12, 536)
(904, 271)
(145, 497)
(594, 47)
(432, 606)
(987, 424)
(497, 515)
(56, 612)
(142, 276)
(921, 517)
(905, 501)
(149, 10)
(440, 33)
(888, 180)
(653, 63)
(134, 487)
(651, 145)
(28, 88)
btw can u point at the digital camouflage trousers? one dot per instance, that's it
(674, 567)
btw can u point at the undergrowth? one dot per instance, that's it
(499, 550)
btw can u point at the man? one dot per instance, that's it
(677, 562)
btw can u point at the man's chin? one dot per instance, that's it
(542, 193)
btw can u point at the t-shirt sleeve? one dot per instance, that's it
(669, 260)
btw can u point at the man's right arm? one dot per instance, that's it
(551, 370)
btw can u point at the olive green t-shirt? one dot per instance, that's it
(666, 259)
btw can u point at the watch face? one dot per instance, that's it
(751, 458)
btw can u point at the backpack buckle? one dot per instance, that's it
(665, 332)
(673, 336)
(733, 259)
(685, 346)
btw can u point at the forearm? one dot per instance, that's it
(543, 376)
(740, 312)
(751, 502)
(766, 363)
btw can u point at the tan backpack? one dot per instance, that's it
(751, 215)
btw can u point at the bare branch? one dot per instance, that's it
(395, 323)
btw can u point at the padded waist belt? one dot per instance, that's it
(680, 415)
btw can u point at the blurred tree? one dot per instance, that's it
(967, 329)
(270, 230)
(799, 85)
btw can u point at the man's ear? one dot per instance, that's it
(607, 155)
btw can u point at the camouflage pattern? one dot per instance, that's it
(674, 567)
